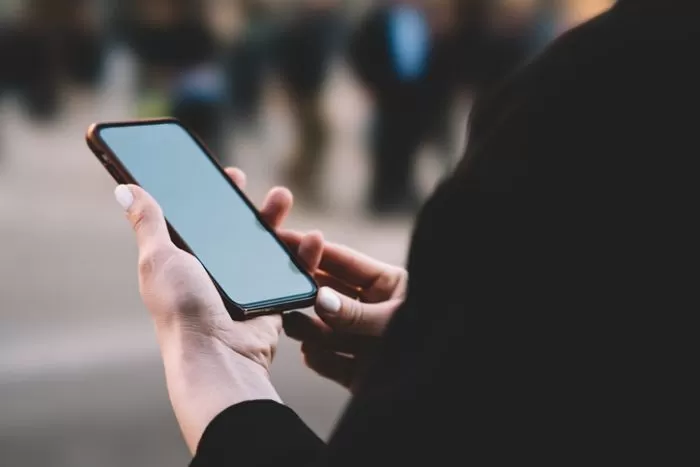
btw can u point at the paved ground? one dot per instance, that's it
(80, 380)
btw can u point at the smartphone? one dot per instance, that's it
(207, 215)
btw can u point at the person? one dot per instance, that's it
(247, 63)
(178, 72)
(546, 315)
(304, 51)
(35, 72)
(408, 70)
(83, 42)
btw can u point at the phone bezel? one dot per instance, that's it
(121, 175)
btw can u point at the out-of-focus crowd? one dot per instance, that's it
(208, 63)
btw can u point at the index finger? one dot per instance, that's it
(350, 266)
(237, 176)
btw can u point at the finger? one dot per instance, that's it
(351, 266)
(310, 250)
(344, 314)
(347, 265)
(291, 237)
(323, 279)
(336, 367)
(302, 327)
(145, 216)
(276, 206)
(237, 176)
(312, 331)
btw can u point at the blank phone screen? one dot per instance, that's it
(215, 222)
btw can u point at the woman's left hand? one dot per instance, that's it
(211, 362)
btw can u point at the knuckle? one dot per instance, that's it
(153, 259)
(138, 218)
(187, 302)
(261, 345)
(267, 334)
(264, 352)
(306, 347)
(147, 265)
(384, 282)
(141, 214)
(309, 362)
(400, 282)
(390, 283)
(353, 317)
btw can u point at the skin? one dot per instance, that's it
(212, 362)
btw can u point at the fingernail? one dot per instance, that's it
(328, 300)
(124, 197)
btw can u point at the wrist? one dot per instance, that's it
(205, 377)
(195, 359)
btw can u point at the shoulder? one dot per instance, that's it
(611, 62)
(560, 66)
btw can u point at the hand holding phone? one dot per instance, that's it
(174, 285)
(205, 255)
(211, 361)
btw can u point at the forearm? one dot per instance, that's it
(229, 412)
(204, 378)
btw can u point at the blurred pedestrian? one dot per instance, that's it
(409, 73)
(247, 63)
(179, 69)
(31, 56)
(305, 48)
(83, 41)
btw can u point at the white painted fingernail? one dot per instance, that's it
(328, 300)
(124, 197)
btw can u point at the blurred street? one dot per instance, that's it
(80, 376)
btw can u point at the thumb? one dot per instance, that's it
(145, 216)
(343, 313)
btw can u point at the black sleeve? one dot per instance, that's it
(257, 433)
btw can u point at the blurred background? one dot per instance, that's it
(359, 106)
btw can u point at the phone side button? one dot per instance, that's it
(113, 171)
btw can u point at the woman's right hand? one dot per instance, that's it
(358, 297)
